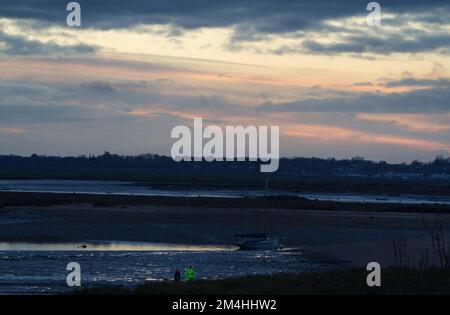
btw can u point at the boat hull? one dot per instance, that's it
(260, 244)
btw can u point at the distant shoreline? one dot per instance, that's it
(275, 202)
(202, 190)
(188, 179)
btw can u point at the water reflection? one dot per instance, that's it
(112, 246)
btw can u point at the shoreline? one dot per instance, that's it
(8, 198)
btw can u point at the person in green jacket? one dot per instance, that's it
(189, 274)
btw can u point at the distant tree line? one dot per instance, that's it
(357, 166)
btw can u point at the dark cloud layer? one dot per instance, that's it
(106, 101)
(394, 43)
(264, 16)
(434, 99)
(253, 21)
(20, 46)
(413, 82)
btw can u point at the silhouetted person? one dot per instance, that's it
(177, 276)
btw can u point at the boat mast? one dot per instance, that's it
(265, 208)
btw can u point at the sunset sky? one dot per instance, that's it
(136, 69)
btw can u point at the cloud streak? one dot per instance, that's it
(330, 134)
(430, 100)
(15, 45)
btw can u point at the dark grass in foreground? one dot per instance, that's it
(395, 281)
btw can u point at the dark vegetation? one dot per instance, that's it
(395, 280)
(275, 202)
(288, 166)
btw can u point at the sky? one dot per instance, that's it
(136, 69)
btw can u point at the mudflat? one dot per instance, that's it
(356, 237)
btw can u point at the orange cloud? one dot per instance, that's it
(327, 134)
(10, 130)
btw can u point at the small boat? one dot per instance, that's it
(258, 242)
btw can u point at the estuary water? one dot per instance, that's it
(130, 188)
(41, 268)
